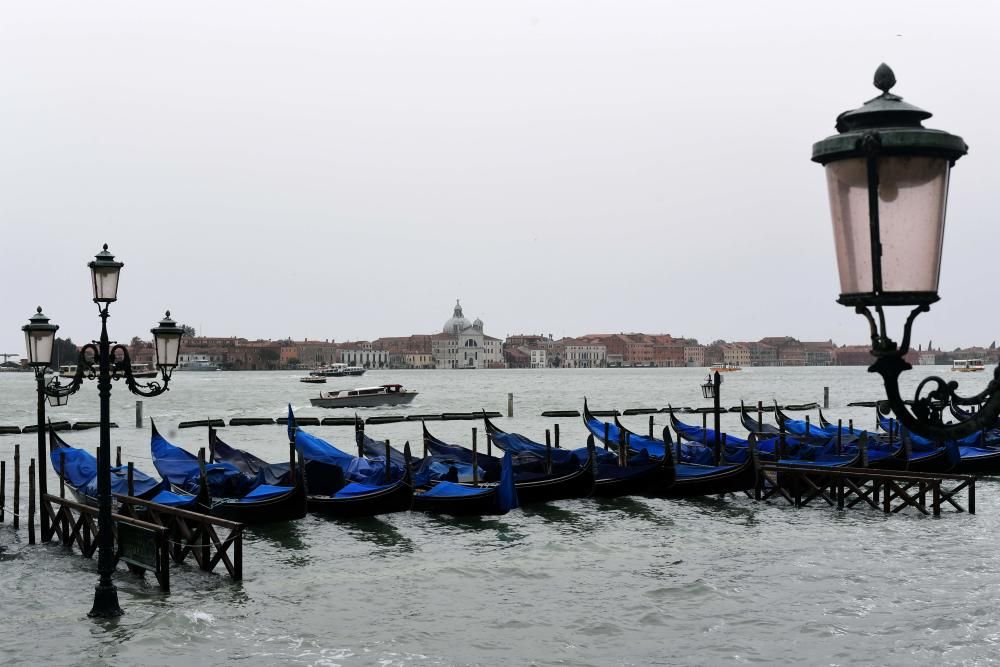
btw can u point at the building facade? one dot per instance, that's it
(463, 344)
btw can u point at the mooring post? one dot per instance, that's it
(704, 428)
(826, 397)
(548, 452)
(3, 491)
(203, 545)
(720, 454)
(621, 448)
(781, 439)
(840, 433)
(650, 427)
(972, 495)
(388, 458)
(62, 494)
(840, 492)
(850, 426)
(717, 381)
(510, 404)
(886, 498)
(131, 480)
(475, 457)
(760, 415)
(557, 435)
(17, 485)
(606, 436)
(118, 456)
(936, 499)
(489, 444)
(138, 414)
(31, 502)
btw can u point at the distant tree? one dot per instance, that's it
(188, 330)
(993, 345)
(64, 351)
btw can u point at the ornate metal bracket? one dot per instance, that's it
(124, 370)
(86, 369)
(933, 394)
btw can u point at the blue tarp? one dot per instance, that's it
(316, 450)
(172, 499)
(452, 490)
(356, 489)
(277, 474)
(180, 468)
(265, 492)
(81, 472)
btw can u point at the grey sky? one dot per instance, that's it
(346, 170)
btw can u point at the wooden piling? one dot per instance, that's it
(3, 491)
(31, 502)
(548, 453)
(138, 414)
(826, 397)
(606, 436)
(388, 459)
(489, 444)
(807, 426)
(936, 501)
(781, 440)
(118, 456)
(510, 404)
(850, 426)
(131, 479)
(17, 485)
(720, 451)
(557, 435)
(760, 414)
(651, 427)
(475, 457)
(62, 494)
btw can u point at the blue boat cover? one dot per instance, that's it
(276, 474)
(81, 472)
(452, 490)
(689, 471)
(317, 450)
(180, 468)
(355, 489)
(636, 443)
(171, 499)
(265, 492)
(973, 439)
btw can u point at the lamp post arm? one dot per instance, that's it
(925, 417)
(124, 370)
(84, 370)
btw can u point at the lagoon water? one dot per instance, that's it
(628, 581)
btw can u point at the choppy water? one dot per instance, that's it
(580, 582)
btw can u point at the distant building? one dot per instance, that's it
(737, 354)
(819, 353)
(538, 357)
(462, 344)
(694, 355)
(362, 353)
(583, 353)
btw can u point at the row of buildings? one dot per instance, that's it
(461, 343)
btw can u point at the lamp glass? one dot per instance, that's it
(105, 279)
(913, 194)
(168, 347)
(39, 345)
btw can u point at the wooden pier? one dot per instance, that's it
(843, 488)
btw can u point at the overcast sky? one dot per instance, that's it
(348, 169)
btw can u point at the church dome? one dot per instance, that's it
(457, 322)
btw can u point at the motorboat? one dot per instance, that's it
(200, 365)
(313, 379)
(365, 397)
(968, 365)
(337, 370)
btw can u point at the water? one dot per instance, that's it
(579, 582)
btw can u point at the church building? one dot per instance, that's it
(462, 344)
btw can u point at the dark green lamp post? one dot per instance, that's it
(106, 361)
(887, 177)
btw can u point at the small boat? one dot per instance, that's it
(313, 379)
(968, 365)
(143, 371)
(464, 500)
(727, 367)
(574, 480)
(67, 371)
(200, 365)
(365, 397)
(691, 479)
(234, 494)
(338, 370)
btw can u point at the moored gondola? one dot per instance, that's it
(461, 500)
(234, 495)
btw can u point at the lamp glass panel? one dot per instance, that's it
(39, 347)
(105, 283)
(847, 185)
(913, 195)
(167, 350)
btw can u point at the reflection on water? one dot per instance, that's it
(379, 532)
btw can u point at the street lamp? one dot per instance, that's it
(106, 361)
(887, 177)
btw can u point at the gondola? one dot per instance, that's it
(691, 479)
(78, 469)
(279, 474)
(756, 426)
(462, 500)
(532, 487)
(234, 495)
(965, 458)
(344, 486)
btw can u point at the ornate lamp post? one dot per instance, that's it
(105, 361)
(887, 177)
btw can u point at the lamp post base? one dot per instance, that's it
(105, 602)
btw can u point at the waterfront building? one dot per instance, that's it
(737, 354)
(463, 344)
(583, 353)
(818, 353)
(668, 351)
(537, 357)
(362, 353)
(418, 360)
(694, 355)
(762, 354)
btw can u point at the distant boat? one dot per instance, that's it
(313, 379)
(727, 367)
(967, 365)
(337, 370)
(200, 365)
(365, 397)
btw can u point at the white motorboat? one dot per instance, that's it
(365, 397)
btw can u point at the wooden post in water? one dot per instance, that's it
(489, 444)
(17, 485)
(760, 415)
(388, 459)
(651, 427)
(621, 448)
(211, 443)
(31, 501)
(118, 456)
(826, 397)
(291, 461)
(359, 432)
(475, 457)
(3, 491)
(138, 414)
(131, 479)
(548, 453)
(62, 494)
(717, 381)
(557, 435)
(510, 404)
(606, 436)
(807, 426)
(840, 433)
(850, 426)
(720, 453)
(704, 428)
(781, 440)
(206, 552)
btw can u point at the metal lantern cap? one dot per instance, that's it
(105, 260)
(39, 322)
(166, 327)
(895, 124)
